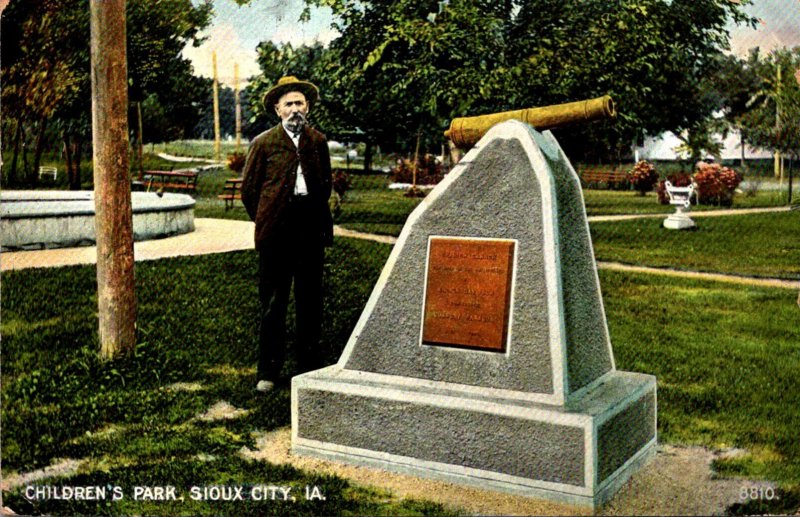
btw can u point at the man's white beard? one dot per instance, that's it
(296, 122)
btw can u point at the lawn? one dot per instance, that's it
(369, 206)
(149, 162)
(210, 184)
(205, 149)
(127, 418)
(765, 245)
(726, 358)
(617, 202)
(197, 148)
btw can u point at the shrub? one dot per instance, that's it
(236, 162)
(341, 182)
(678, 179)
(716, 184)
(429, 172)
(643, 176)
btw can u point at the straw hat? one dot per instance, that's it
(290, 83)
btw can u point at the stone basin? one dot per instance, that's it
(37, 219)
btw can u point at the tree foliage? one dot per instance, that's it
(773, 122)
(414, 64)
(46, 66)
(306, 62)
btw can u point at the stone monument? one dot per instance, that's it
(483, 355)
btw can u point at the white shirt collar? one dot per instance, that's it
(295, 139)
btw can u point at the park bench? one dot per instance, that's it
(181, 180)
(232, 191)
(46, 170)
(594, 176)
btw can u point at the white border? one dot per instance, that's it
(431, 385)
(576, 180)
(552, 256)
(510, 320)
(397, 393)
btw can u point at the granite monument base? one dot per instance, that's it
(578, 453)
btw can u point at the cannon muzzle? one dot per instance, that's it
(466, 131)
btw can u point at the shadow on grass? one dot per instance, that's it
(133, 420)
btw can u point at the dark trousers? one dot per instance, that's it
(294, 258)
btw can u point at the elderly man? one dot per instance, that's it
(285, 189)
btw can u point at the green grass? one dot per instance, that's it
(205, 149)
(617, 202)
(369, 206)
(197, 148)
(765, 245)
(727, 360)
(196, 318)
(149, 162)
(210, 184)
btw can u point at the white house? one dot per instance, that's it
(663, 147)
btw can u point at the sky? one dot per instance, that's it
(236, 31)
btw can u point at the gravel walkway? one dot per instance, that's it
(703, 213)
(210, 236)
(223, 235)
(678, 481)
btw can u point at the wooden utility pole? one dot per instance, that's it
(140, 149)
(216, 107)
(116, 298)
(778, 156)
(238, 106)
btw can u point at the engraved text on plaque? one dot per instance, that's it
(468, 293)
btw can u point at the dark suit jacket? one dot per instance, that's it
(270, 173)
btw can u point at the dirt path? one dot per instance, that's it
(185, 159)
(705, 213)
(700, 275)
(678, 481)
(222, 235)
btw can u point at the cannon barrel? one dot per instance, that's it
(466, 131)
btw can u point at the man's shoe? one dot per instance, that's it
(265, 386)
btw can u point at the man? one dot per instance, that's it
(285, 189)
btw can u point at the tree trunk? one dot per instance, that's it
(140, 147)
(67, 156)
(12, 173)
(742, 143)
(37, 154)
(116, 297)
(72, 150)
(77, 152)
(368, 156)
(25, 169)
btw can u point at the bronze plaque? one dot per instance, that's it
(468, 293)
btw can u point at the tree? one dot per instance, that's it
(41, 71)
(45, 67)
(724, 89)
(304, 62)
(418, 63)
(251, 125)
(773, 122)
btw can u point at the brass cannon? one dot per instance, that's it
(464, 132)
